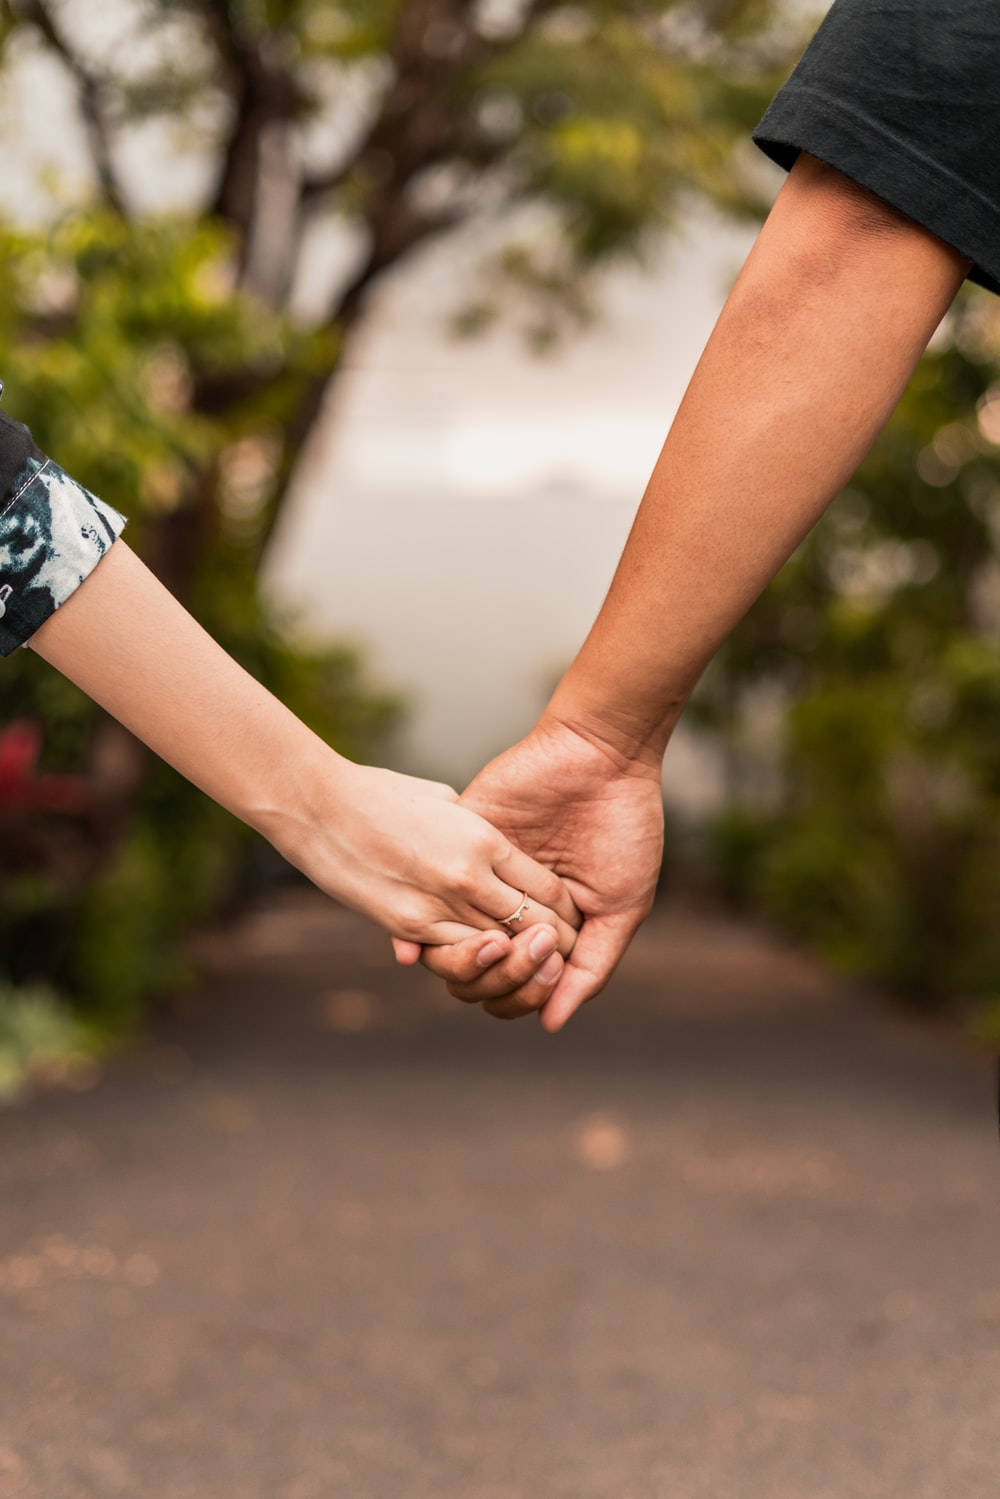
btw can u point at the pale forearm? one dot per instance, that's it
(131, 646)
(813, 349)
(397, 848)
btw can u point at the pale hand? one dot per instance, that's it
(429, 870)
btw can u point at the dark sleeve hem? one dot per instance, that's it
(803, 118)
(53, 533)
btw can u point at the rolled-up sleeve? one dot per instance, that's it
(903, 97)
(53, 533)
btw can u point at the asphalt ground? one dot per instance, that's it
(325, 1234)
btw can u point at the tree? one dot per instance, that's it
(158, 358)
(880, 836)
(605, 113)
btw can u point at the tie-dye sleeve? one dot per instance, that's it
(53, 533)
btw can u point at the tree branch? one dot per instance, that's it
(417, 77)
(421, 80)
(264, 92)
(90, 88)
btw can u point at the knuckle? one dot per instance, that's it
(454, 968)
(462, 875)
(412, 920)
(461, 993)
(488, 843)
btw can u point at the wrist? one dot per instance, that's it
(582, 737)
(300, 805)
(633, 743)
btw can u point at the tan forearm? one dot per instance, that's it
(813, 349)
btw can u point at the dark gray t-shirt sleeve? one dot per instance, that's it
(53, 533)
(903, 96)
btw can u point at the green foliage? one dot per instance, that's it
(39, 1038)
(105, 329)
(157, 359)
(882, 839)
(614, 129)
(108, 326)
(606, 116)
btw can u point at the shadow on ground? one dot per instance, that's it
(327, 1235)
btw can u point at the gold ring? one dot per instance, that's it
(516, 916)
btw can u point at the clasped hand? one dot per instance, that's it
(560, 817)
(593, 818)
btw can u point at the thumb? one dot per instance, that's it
(598, 951)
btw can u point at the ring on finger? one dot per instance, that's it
(512, 922)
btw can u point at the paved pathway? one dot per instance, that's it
(734, 1235)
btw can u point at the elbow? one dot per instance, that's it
(830, 224)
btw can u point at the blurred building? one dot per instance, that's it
(462, 513)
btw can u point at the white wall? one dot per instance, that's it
(461, 515)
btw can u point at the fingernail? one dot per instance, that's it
(550, 971)
(489, 954)
(542, 943)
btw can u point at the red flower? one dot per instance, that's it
(21, 788)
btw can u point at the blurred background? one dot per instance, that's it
(372, 317)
